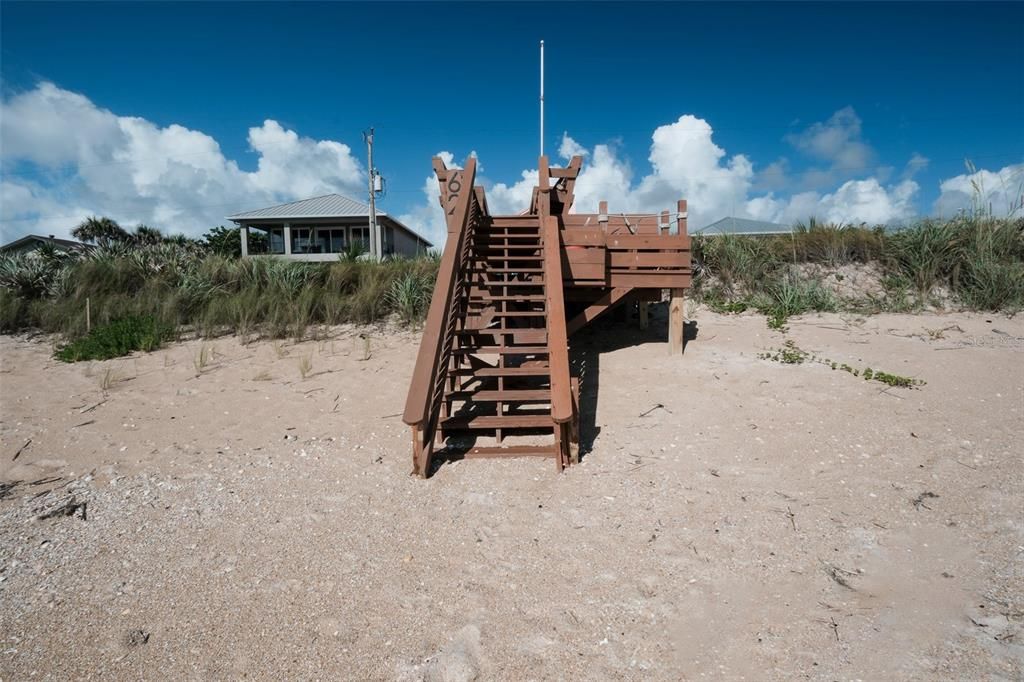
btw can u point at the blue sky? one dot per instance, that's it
(798, 99)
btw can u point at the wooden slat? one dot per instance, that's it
(531, 371)
(505, 421)
(532, 297)
(510, 395)
(511, 283)
(585, 271)
(515, 258)
(507, 270)
(584, 255)
(510, 451)
(580, 236)
(670, 242)
(518, 313)
(502, 350)
(649, 280)
(650, 259)
(518, 335)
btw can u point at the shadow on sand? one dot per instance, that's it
(616, 330)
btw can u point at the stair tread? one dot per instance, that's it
(513, 283)
(502, 350)
(513, 258)
(524, 297)
(499, 421)
(518, 313)
(482, 452)
(506, 247)
(509, 395)
(507, 270)
(537, 371)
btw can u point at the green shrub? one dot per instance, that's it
(117, 338)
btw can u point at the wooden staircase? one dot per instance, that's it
(493, 363)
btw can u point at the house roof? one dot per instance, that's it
(65, 243)
(732, 225)
(326, 206)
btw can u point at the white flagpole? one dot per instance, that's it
(542, 98)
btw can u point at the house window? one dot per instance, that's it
(330, 239)
(361, 237)
(302, 240)
(276, 239)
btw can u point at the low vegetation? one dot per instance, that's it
(117, 338)
(137, 289)
(123, 284)
(791, 354)
(971, 262)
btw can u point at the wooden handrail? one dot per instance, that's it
(558, 343)
(457, 198)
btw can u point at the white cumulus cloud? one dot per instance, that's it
(85, 160)
(999, 192)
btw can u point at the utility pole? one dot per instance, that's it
(375, 246)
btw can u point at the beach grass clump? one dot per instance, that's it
(117, 338)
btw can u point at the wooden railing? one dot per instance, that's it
(426, 391)
(558, 344)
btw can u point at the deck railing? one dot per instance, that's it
(426, 391)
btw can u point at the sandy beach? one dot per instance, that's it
(220, 510)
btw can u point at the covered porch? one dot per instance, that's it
(309, 240)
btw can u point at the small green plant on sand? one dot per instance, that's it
(791, 354)
(116, 339)
(306, 366)
(202, 358)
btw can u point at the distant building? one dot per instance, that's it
(34, 242)
(320, 228)
(742, 226)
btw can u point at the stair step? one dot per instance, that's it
(517, 313)
(499, 421)
(511, 451)
(532, 371)
(513, 283)
(512, 270)
(512, 258)
(504, 396)
(531, 297)
(516, 221)
(501, 350)
(531, 234)
(503, 247)
(520, 335)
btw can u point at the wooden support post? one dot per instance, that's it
(675, 306)
(644, 322)
(675, 322)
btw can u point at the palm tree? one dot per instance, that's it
(102, 231)
(148, 235)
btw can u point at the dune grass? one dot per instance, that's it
(977, 260)
(208, 294)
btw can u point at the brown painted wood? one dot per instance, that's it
(510, 451)
(649, 259)
(599, 307)
(675, 322)
(502, 350)
(490, 396)
(648, 280)
(504, 421)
